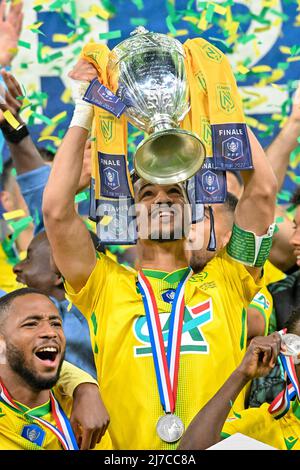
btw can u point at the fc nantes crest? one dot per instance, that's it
(212, 53)
(107, 126)
(224, 98)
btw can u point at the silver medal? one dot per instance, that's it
(170, 428)
(292, 343)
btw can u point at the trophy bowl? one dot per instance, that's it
(147, 73)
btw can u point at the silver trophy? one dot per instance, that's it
(147, 72)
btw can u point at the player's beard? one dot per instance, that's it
(16, 360)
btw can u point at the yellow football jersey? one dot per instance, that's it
(13, 424)
(18, 431)
(8, 281)
(263, 301)
(213, 341)
(259, 424)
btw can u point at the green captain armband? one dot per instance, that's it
(248, 248)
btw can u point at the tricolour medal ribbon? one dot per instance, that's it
(63, 430)
(166, 365)
(281, 404)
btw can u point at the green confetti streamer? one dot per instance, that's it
(83, 196)
(110, 35)
(170, 26)
(139, 4)
(210, 13)
(138, 21)
(25, 44)
(246, 38)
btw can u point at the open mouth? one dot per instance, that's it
(47, 354)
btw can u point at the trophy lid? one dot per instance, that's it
(141, 40)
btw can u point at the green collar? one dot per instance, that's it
(36, 412)
(296, 408)
(171, 278)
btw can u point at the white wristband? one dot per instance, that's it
(83, 112)
(83, 115)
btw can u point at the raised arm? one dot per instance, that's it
(280, 149)
(24, 153)
(71, 244)
(205, 429)
(255, 210)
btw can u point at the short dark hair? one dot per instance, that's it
(296, 197)
(231, 202)
(46, 154)
(7, 300)
(293, 321)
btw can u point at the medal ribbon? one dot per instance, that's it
(280, 406)
(166, 365)
(63, 430)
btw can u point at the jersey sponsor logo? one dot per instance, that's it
(261, 300)
(34, 433)
(1, 413)
(193, 340)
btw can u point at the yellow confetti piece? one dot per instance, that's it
(203, 21)
(11, 119)
(48, 130)
(261, 68)
(254, 103)
(38, 3)
(252, 122)
(179, 32)
(66, 96)
(242, 69)
(34, 25)
(190, 19)
(219, 9)
(293, 59)
(60, 38)
(59, 116)
(53, 138)
(285, 49)
(96, 10)
(14, 214)
(106, 220)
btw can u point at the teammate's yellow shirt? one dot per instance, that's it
(259, 424)
(213, 341)
(12, 423)
(263, 301)
(8, 281)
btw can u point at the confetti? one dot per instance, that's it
(13, 214)
(110, 35)
(11, 119)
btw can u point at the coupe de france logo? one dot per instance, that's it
(192, 340)
(210, 183)
(34, 434)
(232, 148)
(111, 178)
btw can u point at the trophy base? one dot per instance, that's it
(169, 156)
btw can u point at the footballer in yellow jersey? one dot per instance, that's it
(258, 423)
(213, 341)
(213, 308)
(210, 424)
(32, 346)
(262, 301)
